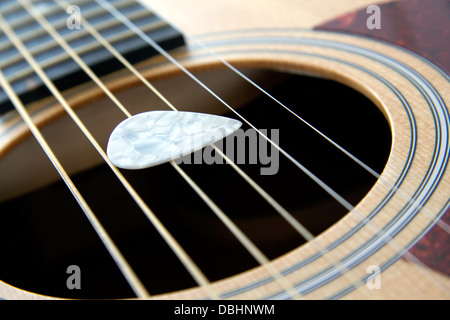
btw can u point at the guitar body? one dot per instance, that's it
(398, 227)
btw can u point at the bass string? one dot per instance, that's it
(256, 253)
(386, 238)
(119, 259)
(245, 241)
(305, 233)
(377, 175)
(444, 226)
(177, 249)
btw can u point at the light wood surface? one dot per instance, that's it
(250, 20)
(201, 17)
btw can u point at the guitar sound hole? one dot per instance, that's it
(44, 232)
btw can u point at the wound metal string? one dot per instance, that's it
(170, 240)
(117, 256)
(387, 238)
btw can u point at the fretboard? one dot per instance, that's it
(58, 64)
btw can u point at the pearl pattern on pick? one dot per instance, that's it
(155, 137)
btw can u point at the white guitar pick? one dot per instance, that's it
(151, 138)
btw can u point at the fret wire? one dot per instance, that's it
(42, 47)
(59, 24)
(51, 11)
(17, 76)
(196, 273)
(12, 8)
(387, 239)
(28, 20)
(284, 213)
(117, 256)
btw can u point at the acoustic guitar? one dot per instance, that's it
(340, 191)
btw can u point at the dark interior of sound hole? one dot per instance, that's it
(45, 232)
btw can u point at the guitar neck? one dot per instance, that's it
(64, 71)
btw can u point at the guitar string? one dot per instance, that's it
(256, 253)
(377, 175)
(442, 224)
(242, 238)
(27, 36)
(281, 210)
(195, 272)
(59, 58)
(118, 257)
(388, 239)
